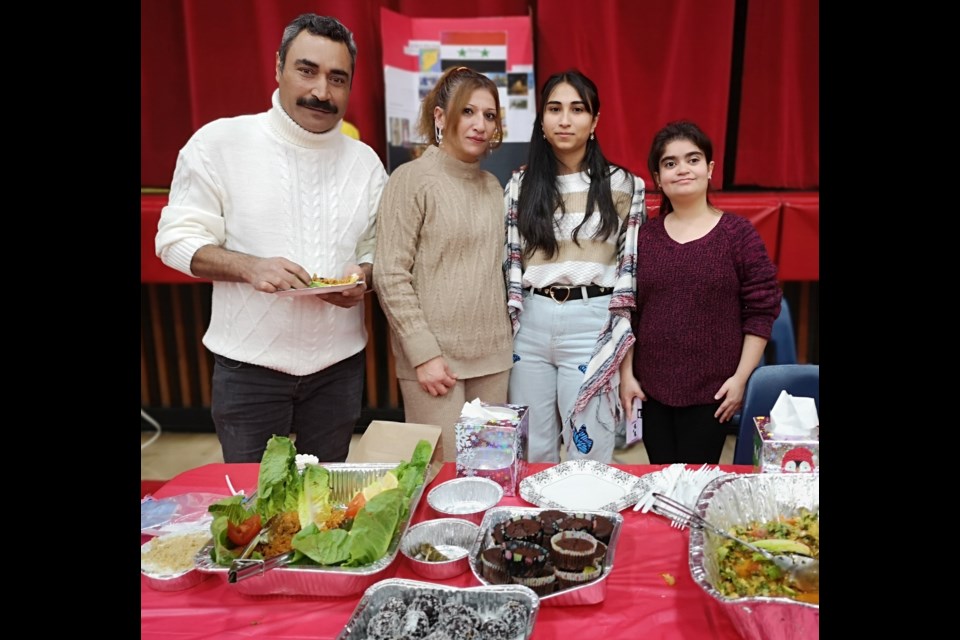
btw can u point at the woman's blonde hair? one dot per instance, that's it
(451, 94)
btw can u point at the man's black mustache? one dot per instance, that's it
(313, 103)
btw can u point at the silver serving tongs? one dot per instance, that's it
(245, 567)
(804, 570)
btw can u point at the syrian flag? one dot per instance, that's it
(483, 51)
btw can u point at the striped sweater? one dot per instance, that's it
(583, 266)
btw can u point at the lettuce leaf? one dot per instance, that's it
(314, 500)
(330, 547)
(374, 526)
(278, 485)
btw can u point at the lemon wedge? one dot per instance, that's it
(388, 481)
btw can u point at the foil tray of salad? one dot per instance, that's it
(330, 530)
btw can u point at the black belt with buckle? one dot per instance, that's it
(563, 292)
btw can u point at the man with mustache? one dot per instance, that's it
(257, 204)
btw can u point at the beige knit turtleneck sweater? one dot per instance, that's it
(439, 266)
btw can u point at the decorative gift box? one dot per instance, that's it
(774, 453)
(492, 443)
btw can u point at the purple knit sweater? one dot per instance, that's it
(695, 302)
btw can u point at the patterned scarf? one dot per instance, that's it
(602, 377)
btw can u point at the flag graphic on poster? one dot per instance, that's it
(483, 51)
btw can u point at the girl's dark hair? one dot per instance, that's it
(677, 130)
(539, 193)
(451, 93)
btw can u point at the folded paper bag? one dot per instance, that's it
(794, 416)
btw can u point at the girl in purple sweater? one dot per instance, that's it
(707, 296)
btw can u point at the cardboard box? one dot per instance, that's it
(784, 455)
(386, 441)
(495, 449)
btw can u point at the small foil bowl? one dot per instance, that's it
(169, 581)
(467, 498)
(452, 537)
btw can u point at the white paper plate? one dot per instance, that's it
(581, 485)
(312, 291)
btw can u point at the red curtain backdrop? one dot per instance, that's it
(779, 137)
(652, 61)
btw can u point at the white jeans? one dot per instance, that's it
(550, 354)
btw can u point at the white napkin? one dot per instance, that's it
(475, 412)
(793, 416)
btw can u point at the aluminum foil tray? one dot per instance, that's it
(486, 601)
(346, 479)
(740, 499)
(590, 593)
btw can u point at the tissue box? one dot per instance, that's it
(796, 454)
(495, 449)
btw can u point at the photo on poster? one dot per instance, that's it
(518, 84)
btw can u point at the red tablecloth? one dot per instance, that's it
(639, 602)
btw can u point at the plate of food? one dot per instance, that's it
(320, 286)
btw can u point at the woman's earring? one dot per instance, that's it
(439, 134)
(592, 137)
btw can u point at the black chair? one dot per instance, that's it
(763, 389)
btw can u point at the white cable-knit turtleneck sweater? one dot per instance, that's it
(262, 185)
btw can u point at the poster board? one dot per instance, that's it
(416, 52)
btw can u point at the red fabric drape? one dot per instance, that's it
(653, 62)
(779, 138)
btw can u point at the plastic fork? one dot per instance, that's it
(804, 570)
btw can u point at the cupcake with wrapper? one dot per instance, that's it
(494, 565)
(542, 581)
(572, 550)
(576, 522)
(602, 529)
(549, 519)
(525, 528)
(523, 559)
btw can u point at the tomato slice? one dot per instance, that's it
(241, 534)
(355, 505)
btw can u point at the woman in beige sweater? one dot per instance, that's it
(438, 265)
